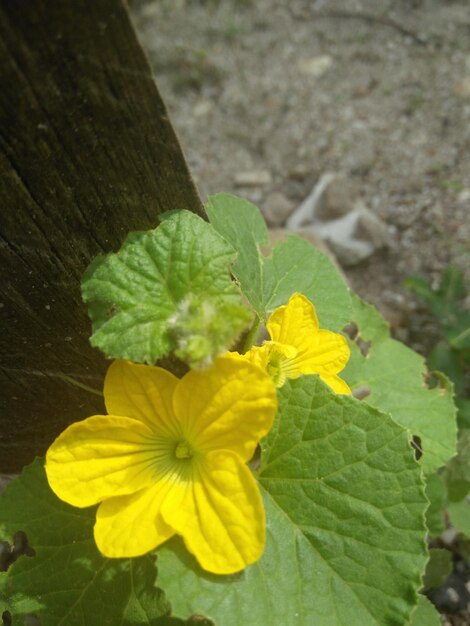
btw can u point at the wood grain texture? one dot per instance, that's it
(87, 153)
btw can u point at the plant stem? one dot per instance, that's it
(76, 383)
(252, 334)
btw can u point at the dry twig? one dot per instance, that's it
(359, 15)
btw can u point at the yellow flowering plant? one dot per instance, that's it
(170, 457)
(241, 484)
(154, 463)
(298, 346)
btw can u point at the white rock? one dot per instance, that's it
(341, 236)
(331, 198)
(351, 230)
(202, 108)
(317, 66)
(449, 535)
(370, 227)
(254, 178)
(305, 213)
(337, 199)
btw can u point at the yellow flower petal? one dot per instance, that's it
(257, 355)
(100, 457)
(317, 351)
(336, 383)
(132, 525)
(230, 405)
(176, 465)
(293, 323)
(327, 353)
(142, 392)
(221, 517)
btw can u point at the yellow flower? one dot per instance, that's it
(299, 346)
(170, 458)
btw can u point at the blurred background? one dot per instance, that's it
(269, 96)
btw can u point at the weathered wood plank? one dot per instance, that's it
(87, 153)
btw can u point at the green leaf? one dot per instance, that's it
(444, 358)
(452, 287)
(436, 493)
(425, 614)
(444, 304)
(242, 225)
(420, 287)
(438, 568)
(293, 266)
(459, 514)
(68, 582)
(457, 471)
(463, 415)
(396, 379)
(140, 298)
(345, 533)
(450, 291)
(457, 330)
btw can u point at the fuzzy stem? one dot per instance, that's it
(252, 335)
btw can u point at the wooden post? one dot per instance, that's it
(87, 153)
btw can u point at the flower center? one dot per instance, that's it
(183, 450)
(280, 364)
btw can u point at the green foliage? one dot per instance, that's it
(396, 379)
(445, 303)
(463, 412)
(436, 493)
(457, 478)
(453, 185)
(425, 614)
(451, 354)
(294, 265)
(438, 568)
(140, 298)
(459, 514)
(344, 504)
(449, 490)
(457, 472)
(68, 581)
(343, 493)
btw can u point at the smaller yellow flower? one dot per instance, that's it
(170, 458)
(299, 346)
